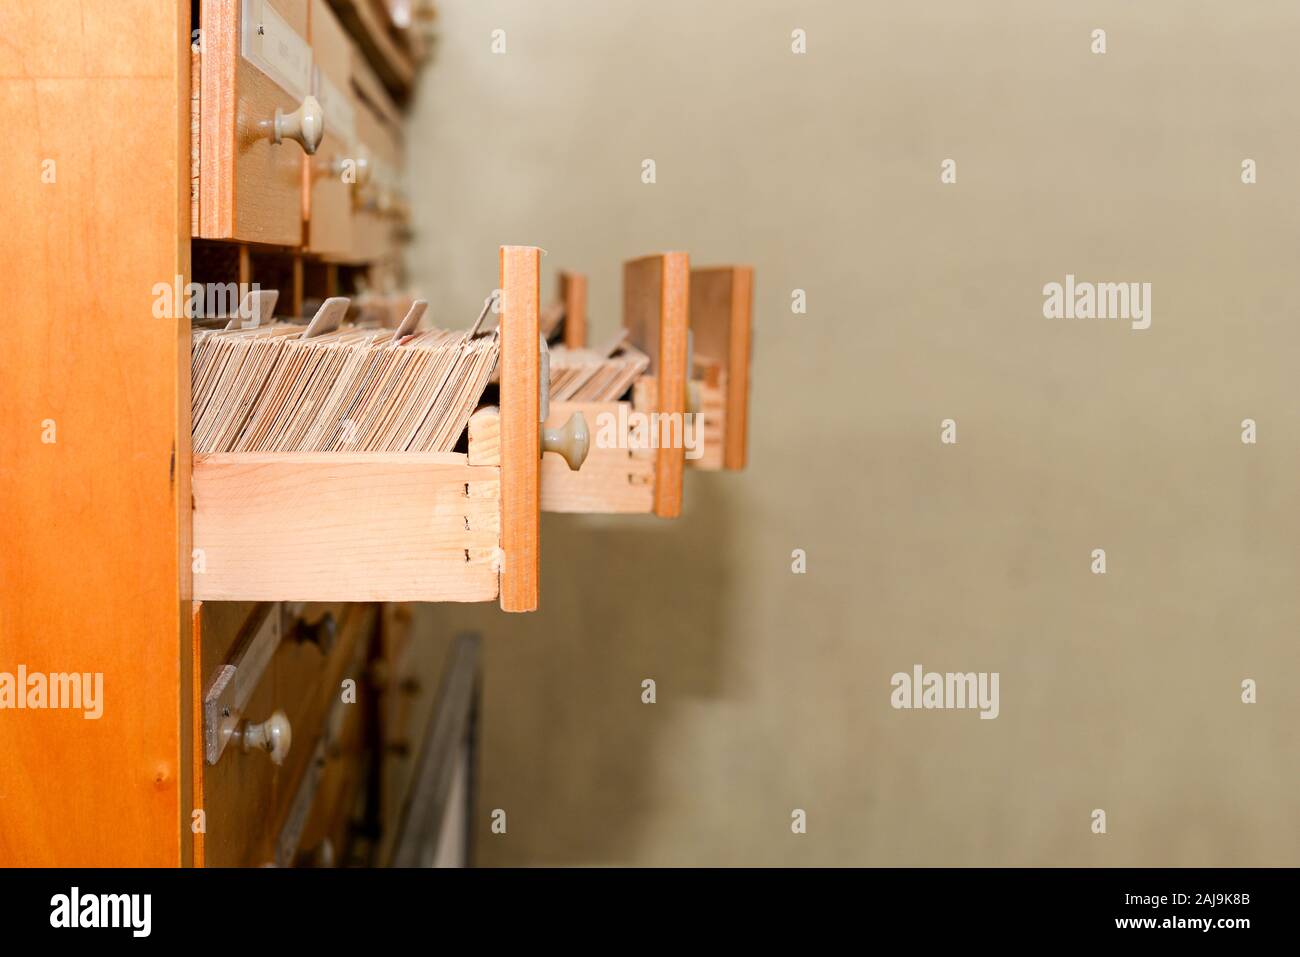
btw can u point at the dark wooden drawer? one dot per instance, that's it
(247, 798)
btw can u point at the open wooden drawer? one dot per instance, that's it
(621, 474)
(387, 526)
(722, 302)
(721, 320)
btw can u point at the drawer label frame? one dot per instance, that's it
(231, 688)
(269, 43)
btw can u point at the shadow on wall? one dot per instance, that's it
(624, 599)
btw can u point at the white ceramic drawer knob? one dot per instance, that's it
(274, 736)
(572, 441)
(305, 124)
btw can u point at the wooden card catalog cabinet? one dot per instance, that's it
(233, 695)
(258, 119)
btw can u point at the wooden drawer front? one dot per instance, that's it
(722, 300)
(414, 674)
(330, 789)
(432, 827)
(397, 632)
(248, 800)
(332, 171)
(250, 188)
(373, 232)
(704, 442)
(222, 624)
(375, 27)
(637, 450)
(411, 669)
(318, 526)
(656, 310)
(615, 476)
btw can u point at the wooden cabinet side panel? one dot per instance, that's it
(94, 434)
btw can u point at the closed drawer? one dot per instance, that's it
(318, 828)
(433, 790)
(374, 227)
(256, 60)
(388, 46)
(294, 675)
(412, 670)
(333, 172)
(409, 667)
(397, 630)
(379, 204)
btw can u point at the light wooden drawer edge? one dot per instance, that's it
(345, 527)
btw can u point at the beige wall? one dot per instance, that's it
(1119, 692)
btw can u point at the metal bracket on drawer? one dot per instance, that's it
(232, 686)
